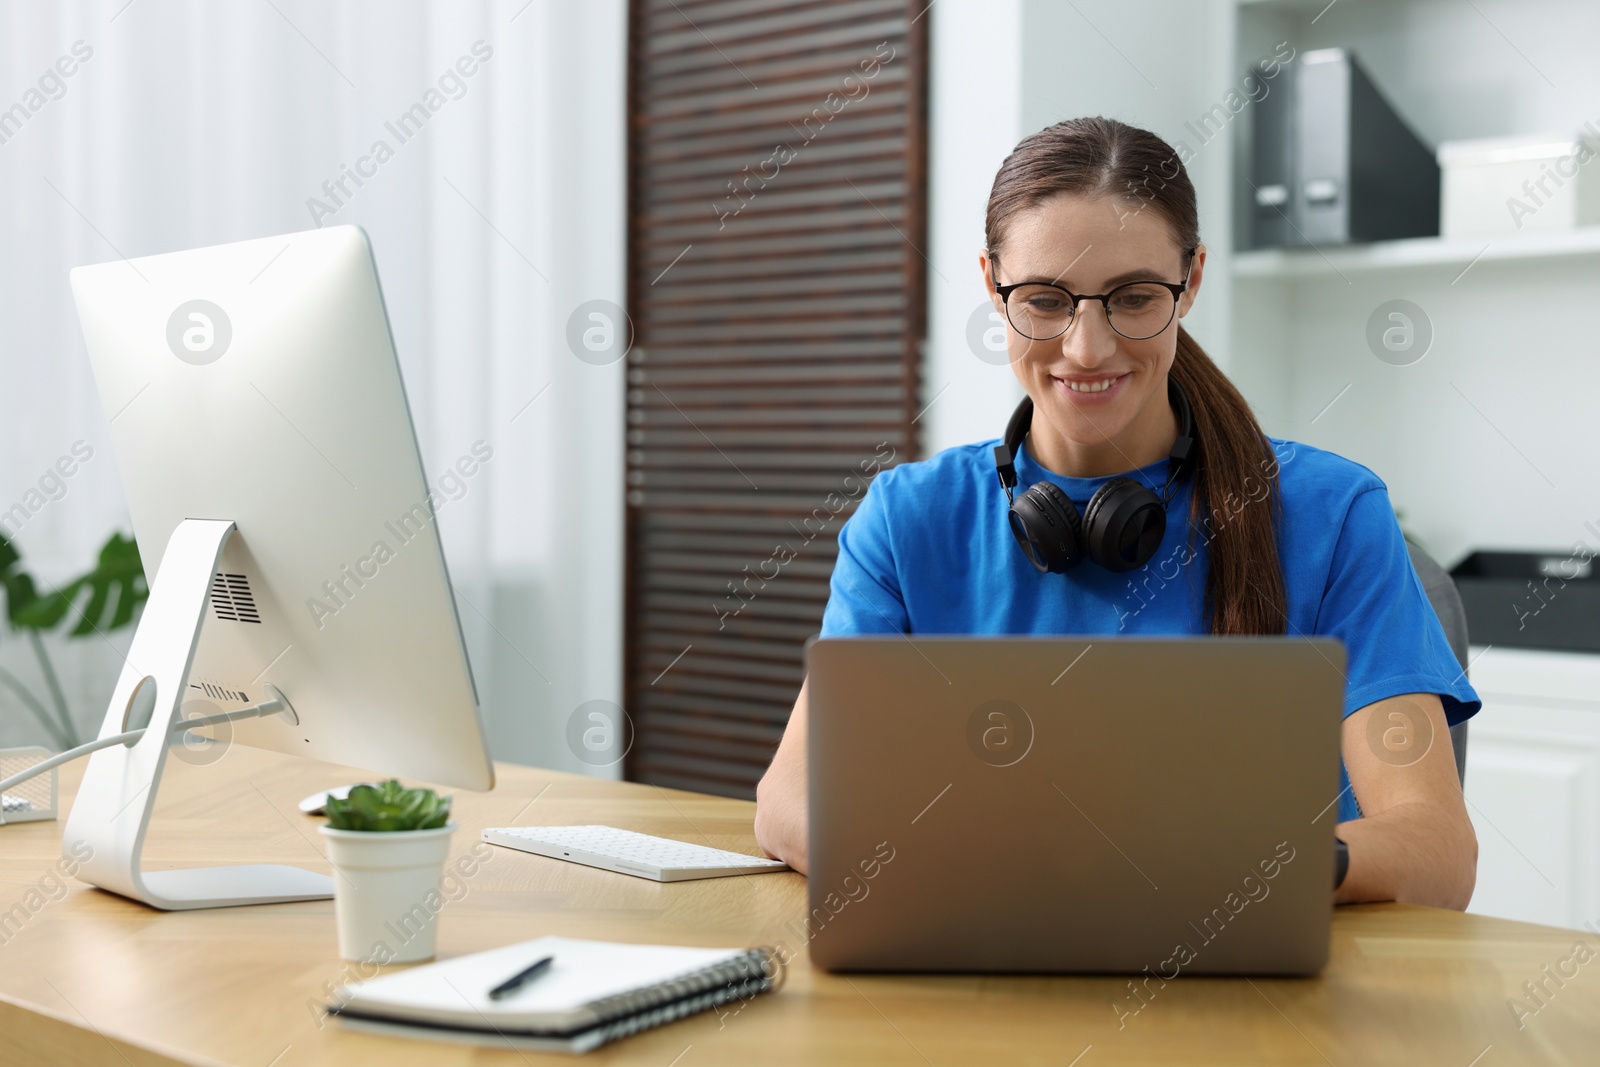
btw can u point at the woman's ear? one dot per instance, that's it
(1196, 269)
(986, 265)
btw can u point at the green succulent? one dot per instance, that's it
(388, 806)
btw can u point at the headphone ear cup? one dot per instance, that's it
(1047, 527)
(1123, 525)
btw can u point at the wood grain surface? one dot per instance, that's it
(90, 978)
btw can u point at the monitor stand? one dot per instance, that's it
(112, 811)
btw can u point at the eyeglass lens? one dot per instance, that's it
(1136, 311)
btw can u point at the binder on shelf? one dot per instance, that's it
(1331, 162)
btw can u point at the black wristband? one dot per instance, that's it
(1341, 862)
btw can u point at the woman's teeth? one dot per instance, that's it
(1092, 387)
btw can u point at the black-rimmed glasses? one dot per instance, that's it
(1138, 310)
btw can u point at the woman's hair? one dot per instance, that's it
(1235, 501)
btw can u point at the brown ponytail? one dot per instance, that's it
(1235, 502)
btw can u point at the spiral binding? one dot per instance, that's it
(757, 971)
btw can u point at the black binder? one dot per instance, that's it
(1331, 162)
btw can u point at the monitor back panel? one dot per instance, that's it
(290, 419)
(1073, 805)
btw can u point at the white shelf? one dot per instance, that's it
(1275, 263)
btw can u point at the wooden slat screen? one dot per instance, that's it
(776, 289)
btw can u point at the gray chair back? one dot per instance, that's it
(1446, 601)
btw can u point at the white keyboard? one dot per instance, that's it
(627, 852)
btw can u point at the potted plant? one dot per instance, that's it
(388, 845)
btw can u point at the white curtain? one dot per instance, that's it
(128, 129)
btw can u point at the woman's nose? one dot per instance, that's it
(1090, 340)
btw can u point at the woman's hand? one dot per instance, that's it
(1414, 842)
(781, 826)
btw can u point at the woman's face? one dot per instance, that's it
(1095, 388)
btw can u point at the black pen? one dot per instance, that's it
(516, 981)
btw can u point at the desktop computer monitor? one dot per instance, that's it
(261, 429)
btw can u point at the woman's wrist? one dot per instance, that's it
(780, 823)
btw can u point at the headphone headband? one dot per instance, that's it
(1179, 461)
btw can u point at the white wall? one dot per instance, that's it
(195, 124)
(974, 120)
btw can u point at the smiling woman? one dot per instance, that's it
(1140, 457)
(1099, 387)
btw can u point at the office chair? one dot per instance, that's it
(1446, 601)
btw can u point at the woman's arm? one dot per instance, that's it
(1414, 842)
(781, 794)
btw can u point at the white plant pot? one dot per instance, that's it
(386, 891)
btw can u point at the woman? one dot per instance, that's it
(1263, 537)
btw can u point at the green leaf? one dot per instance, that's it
(116, 587)
(20, 595)
(388, 807)
(17, 583)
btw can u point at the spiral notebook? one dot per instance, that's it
(592, 993)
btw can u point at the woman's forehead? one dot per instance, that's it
(1086, 240)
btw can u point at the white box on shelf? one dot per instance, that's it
(1507, 186)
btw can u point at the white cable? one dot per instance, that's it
(277, 705)
(69, 755)
(266, 707)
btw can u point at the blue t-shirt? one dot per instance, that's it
(930, 551)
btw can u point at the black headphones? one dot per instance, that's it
(1124, 522)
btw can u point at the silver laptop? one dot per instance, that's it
(1094, 805)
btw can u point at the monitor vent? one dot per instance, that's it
(231, 599)
(217, 692)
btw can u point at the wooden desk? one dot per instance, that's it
(91, 978)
